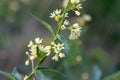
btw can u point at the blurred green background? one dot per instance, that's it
(96, 54)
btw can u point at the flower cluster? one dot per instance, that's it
(39, 51)
(57, 48)
(33, 54)
(75, 30)
(76, 6)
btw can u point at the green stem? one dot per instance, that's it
(61, 22)
(37, 66)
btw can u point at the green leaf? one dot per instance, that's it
(16, 74)
(61, 6)
(38, 51)
(45, 24)
(39, 75)
(66, 44)
(69, 5)
(42, 59)
(10, 76)
(115, 76)
(44, 69)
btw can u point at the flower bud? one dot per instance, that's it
(77, 13)
(27, 62)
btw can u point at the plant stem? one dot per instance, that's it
(61, 22)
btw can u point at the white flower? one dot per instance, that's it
(32, 57)
(38, 40)
(55, 48)
(57, 12)
(55, 57)
(52, 15)
(61, 55)
(27, 53)
(66, 22)
(75, 30)
(75, 1)
(30, 44)
(79, 6)
(27, 62)
(25, 78)
(66, 15)
(77, 13)
(76, 25)
(33, 49)
(75, 33)
(47, 50)
(60, 46)
(63, 27)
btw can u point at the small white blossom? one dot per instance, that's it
(79, 6)
(75, 1)
(57, 12)
(41, 47)
(52, 15)
(47, 50)
(33, 49)
(77, 13)
(61, 55)
(25, 78)
(38, 40)
(33, 57)
(75, 31)
(66, 15)
(63, 27)
(55, 58)
(27, 62)
(27, 53)
(76, 26)
(57, 48)
(30, 44)
(60, 46)
(66, 22)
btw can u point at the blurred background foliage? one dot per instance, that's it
(93, 57)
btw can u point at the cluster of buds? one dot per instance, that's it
(76, 6)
